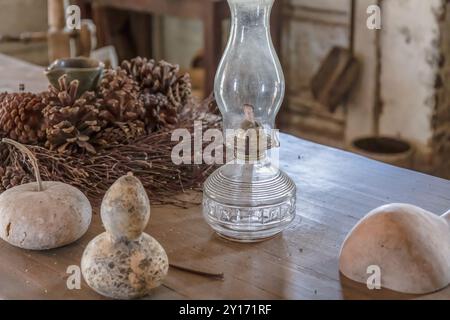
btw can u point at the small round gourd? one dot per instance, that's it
(42, 215)
(124, 262)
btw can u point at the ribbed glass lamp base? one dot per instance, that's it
(249, 202)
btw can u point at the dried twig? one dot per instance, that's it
(198, 272)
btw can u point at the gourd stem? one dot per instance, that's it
(31, 156)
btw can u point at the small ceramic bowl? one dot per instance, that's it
(87, 71)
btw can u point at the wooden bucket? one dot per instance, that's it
(395, 151)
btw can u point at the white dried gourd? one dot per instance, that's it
(410, 245)
(124, 262)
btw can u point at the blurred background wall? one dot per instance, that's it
(18, 16)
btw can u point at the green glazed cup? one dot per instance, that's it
(87, 71)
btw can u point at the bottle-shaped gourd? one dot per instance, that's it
(124, 262)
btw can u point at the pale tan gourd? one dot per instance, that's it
(409, 244)
(42, 215)
(124, 262)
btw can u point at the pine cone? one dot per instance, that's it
(160, 113)
(2, 96)
(21, 117)
(12, 176)
(158, 79)
(212, 105)
(120, 107)
(71, 121)
(4, 153)
(180, 91)
(119, 98)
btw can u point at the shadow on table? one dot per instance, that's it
(352, 290)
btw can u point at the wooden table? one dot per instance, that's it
(211, 12)
(335, 189)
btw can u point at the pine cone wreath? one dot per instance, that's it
(21, 117)
(12, 176)
(71, 122)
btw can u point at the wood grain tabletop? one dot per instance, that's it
(335, 190)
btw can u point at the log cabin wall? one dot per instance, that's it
(441, 114)
(412, 100)
(411, 49)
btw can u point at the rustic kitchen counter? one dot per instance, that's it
(335, 190)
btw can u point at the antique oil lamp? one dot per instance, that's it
(249, 198)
